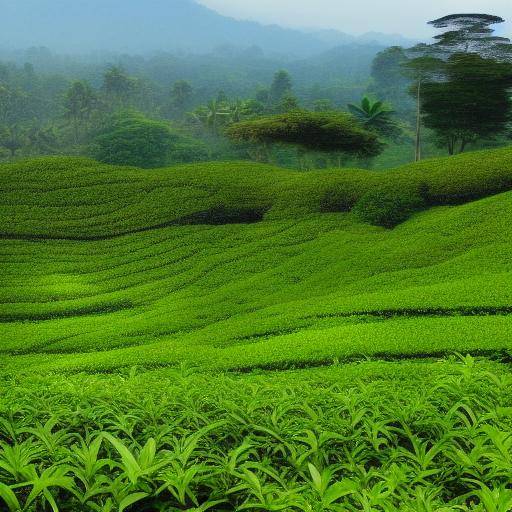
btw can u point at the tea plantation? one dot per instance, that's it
(241, 337)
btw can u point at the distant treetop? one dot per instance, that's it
(470, 33)
(465, 19)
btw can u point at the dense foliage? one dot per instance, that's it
(301, 441)
(388, 206)
(320, 131)
(159, 353)
(462, 81)
(472, 102)
(129, 138)
(50, 104)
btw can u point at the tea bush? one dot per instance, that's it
(230, 337)
(388, 207)
(80, 199)
(314, 440)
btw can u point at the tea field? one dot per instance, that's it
(234, 337)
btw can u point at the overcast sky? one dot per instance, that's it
(406, 17)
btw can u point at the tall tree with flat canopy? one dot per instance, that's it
(314, 131)
(472, 103)
(464, 70)
(420, 70)
(470, 33)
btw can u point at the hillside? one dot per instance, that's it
(97, 258)
(236, 324)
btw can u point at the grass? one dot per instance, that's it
(244, 293)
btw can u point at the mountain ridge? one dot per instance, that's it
(136, 27)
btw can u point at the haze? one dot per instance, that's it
(392, 16)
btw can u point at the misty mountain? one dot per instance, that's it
(140, 26)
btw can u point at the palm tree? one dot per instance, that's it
(376, 116)
(79, 104)
(212, 115)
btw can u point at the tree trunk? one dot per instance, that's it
(77, 137)
(417, 155)
(451, 146)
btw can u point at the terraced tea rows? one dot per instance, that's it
(117, 282)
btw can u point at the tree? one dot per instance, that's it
(288, 103)
(473, 101)
(181, 94)
(252, 108)
(470, 33)
(13, 105)
(118, 87)
(388, 79)
(42, 140)
(316, 131)
(213, 116)
(434, 69)
(79, 104)
(13, 138)
(130, 138)
(281, 87)
(421, 69)
(262, 96)
(376, 116)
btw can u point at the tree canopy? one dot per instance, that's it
(470, 33)
(473, 101)
(317, 131)
(462, 80)
(130, 138)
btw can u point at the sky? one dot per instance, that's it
(406, 17)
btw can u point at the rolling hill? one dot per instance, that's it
(143, 265)
(236, 324)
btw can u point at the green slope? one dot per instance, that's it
(108, 267)
(229, 337)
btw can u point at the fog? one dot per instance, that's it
(391, 16)
(139, 26)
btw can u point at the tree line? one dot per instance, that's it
(452, 94)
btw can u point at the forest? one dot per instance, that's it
(50, 104)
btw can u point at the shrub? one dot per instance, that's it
(339, 197)
(388, 206)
